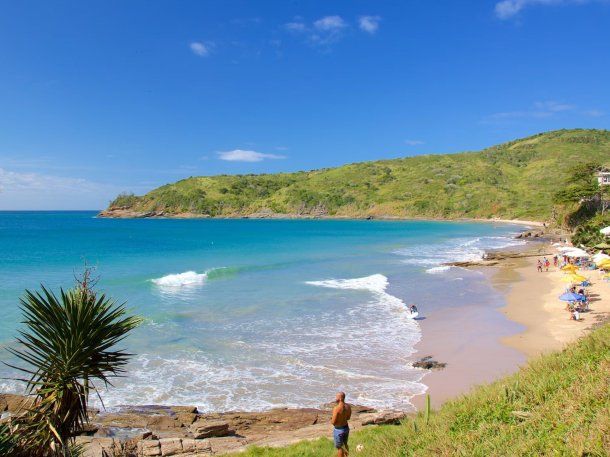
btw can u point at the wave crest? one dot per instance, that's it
(187, 278)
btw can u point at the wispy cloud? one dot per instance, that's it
(593, 113)
(44, 191)
(241, 155)
(369, 24)
(538, 110)
(322, 32)
(13, 181)
(507, 9)
(200, 48)
(414, 142)
(295, 26)
(330, 24)
(329, 29)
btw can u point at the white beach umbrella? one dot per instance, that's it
(566, 248)
(576, 253)
(605, 231)
(600, 257)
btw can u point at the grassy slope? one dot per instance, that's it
(512, 180)
(565, 397)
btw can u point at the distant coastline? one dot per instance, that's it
(129, 214)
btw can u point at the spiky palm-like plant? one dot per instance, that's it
(68, 345)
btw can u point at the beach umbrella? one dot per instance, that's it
(570, 267)
(570, 296)
(605, 231)
(602, 246)
(578, 278)
(602, 263)
(575, 252)
(566, 248)
(600, 257)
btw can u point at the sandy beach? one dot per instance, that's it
(492, 342)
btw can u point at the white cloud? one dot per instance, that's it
(330, 23)
(322, 32)
(200, 49)
(594, 113)
(369, 24)
(13, 181)
(241, 155)
(42, 191)
(295, 26)
(413, 142)
(538, 110)
(507, 9)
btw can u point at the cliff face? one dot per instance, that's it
(515, 180)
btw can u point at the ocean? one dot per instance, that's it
(255, 314)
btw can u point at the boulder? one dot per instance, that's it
(384, 418)
(170, 446)
(428, 363)
(206, 429)
(14, 403)
(149, 448)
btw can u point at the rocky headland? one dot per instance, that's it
(143, 431)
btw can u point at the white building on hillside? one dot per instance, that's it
(603, 178)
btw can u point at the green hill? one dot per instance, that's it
(558, 405)
(515, 180)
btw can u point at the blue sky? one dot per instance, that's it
(100, 97)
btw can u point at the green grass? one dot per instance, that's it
(512, 180)
(558, 405)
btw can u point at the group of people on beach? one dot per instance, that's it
(574, 307)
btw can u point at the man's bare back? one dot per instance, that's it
(341, 414)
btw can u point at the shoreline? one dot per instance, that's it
(531, 306)
(127, 214)
(479, 341)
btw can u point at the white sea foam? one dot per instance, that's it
(437, 270)
(188, 278)
(291, 361)
(455, 250)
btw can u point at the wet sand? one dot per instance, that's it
(482, 342)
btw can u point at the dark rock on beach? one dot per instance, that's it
(428, 363)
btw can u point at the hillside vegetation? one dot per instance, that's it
(558, 405)
(516, 180)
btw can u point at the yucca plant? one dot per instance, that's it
(68, 346)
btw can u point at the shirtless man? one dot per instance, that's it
(341, 414)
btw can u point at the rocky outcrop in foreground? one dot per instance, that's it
(143, 431)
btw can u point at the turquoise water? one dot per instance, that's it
(252, 314)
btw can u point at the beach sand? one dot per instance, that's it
(481, 343)
(533, 301)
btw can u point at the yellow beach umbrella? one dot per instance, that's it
(570, 267)
(604, 264)
(578, 278)
(573, 278)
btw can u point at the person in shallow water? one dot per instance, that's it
(341, 414)
(412, 309)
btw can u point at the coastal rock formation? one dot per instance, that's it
(384, 418)
(154, 430)
(208, 429)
